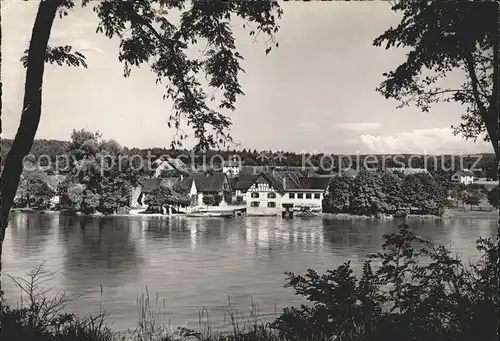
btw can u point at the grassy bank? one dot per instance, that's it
(411, 290)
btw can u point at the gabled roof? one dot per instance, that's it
(208, 182)
(464, 173)
(178, 164)
(293, 181)
(187, 182)
(243, 182)
(168, 164)
(148, 185)
(288, 180)
(315, 182)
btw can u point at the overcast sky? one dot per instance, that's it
(316, 92)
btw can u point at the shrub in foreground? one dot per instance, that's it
(417, 292)
(41, 317)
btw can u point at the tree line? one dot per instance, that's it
(440, 166)
(373, 193)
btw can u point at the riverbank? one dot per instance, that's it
(448, 214)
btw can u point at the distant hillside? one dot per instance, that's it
(255, 158)
(40, 147)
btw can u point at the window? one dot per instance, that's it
(317, 196)
(291, 195)
(300, 195)
(254, 204)
(255, 195)
(271, 204)
(271, 195)
(308, 196)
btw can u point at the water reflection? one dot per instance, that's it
(98, 253)
(32, 232)
(195, 263)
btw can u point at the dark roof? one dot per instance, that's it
(315, 182)
(148, 185)
(294, 181)
(288, 180)
(187, 182)
(208, 182)
(243, 181)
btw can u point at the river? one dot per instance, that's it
(194, 263)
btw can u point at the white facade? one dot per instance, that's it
(231, 170)
(263, 199)
(301, 198)
(463, 178)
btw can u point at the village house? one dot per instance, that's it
(199, 184)
(240, 185)
(168, 164)
(273, 193)
(54, 181)
(464, 176)
(145, 187)
(212, 183)
(231, 167)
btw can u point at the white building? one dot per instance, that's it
(464, 176)
(232, 167)
(273, 193)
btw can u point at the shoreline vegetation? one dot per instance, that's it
(448, 214)
(410, 290)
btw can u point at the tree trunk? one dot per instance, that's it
(32, 107)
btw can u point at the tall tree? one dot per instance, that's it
(445, 37)
(338, 197)
(148, 36)
(391, 186)
(367, 195)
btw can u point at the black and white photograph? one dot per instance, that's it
(255, 170)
